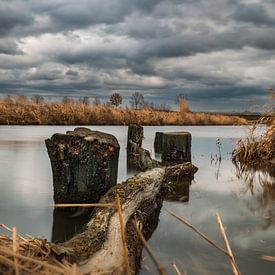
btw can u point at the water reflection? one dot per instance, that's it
(260, 183)
(178, 190)
(68, 222)
(26, 193)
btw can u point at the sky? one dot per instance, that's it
(219, 53)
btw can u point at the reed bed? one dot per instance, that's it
(16, 111)
(259, 151)
(254, 150)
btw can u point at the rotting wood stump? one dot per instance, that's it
(84, 165)
(174, 146)
(138, 158)
(158, 142)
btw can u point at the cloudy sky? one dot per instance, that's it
(220, 54)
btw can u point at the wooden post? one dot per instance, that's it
(135, 137)
(138, 158)
(84, 165)
(158, 142)
(176, 148)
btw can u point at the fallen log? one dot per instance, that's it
(99, 247)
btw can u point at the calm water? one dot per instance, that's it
(246, 205)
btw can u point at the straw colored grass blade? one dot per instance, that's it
(159, 267)
(232, 260)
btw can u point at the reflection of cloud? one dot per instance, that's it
(260, 184)
(24, 159)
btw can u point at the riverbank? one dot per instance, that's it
(25, 112)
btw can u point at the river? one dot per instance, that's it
(245, 202)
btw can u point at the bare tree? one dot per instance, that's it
(37, 99)
(85, 100)
(182, 103)
(67, 100)
(97, 101)
(137, 100)
(116, 99)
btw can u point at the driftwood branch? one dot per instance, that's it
(100, 246)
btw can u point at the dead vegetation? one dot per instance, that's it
(257, 150)
(29, 255)
(21, 111)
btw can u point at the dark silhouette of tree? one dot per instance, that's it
(37, 99)
(137, 100)
(67, 100)
(85, 100)
(116, 99)
(97, 101)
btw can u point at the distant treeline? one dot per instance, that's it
(136, 101)
(36, 111)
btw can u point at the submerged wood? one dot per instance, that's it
(99, 247)
(84, 164)
(138, 158)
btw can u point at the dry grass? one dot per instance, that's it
(18, 111)
(254, 150)
(258, 151)
(29, 255)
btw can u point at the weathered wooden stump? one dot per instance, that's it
(158, 142)
(134, 137)
(138, 158)
(174, 146)
(84, 165)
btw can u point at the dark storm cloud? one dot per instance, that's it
(72, 73)
(66, 15)
(12, 15)
(210, 50)
(254, 13)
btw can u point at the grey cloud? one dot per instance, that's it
(13, 14)
(254, 13)
(72, 73)
(46, 75)
(79, 47)
(70, 15)
(9, 47)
